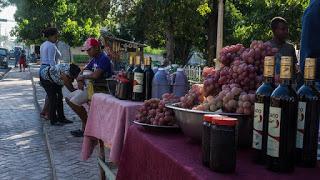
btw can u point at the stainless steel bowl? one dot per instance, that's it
(190, 122)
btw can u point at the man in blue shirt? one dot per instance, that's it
(99, 68)
(310, 38)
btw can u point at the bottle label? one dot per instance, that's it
(309, 68)
(300, 124)
(138, 83)
(274, 123)
(268, 70)
(286, 67)
(257, 126)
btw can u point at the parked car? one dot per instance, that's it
(11, 54)
(4, 56)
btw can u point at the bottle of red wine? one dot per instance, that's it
(148, 76)
(261, 112)
(130, 76)
(308, 118)
(282, 123)
(137, 92)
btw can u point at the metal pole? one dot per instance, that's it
(219, 32)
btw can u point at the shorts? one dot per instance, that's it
(78, 97)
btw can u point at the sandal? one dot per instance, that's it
(44, 116)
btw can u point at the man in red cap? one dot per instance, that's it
(99, 67)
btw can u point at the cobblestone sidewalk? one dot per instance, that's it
(23, 150)
(66, 149)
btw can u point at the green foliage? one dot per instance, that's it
(150, 21)
(155, 51)
(248, 20)
(79, 59)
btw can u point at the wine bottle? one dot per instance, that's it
(308, 118)
(130, 76)
(148, 76)
(282, 122)
(137, 93)
(261, 112)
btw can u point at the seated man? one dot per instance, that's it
(100, 67)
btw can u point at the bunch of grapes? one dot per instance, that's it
(229, 53)
(246, 103)
(168, 98)
(208, 71)
(211, 85)
(244, 75)
(154, 111)
(193, 97)
(229, 96)
(210, 104)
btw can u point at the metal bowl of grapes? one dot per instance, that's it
(190, 122)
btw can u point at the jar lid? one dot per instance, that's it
(211, 117)
(225, 121)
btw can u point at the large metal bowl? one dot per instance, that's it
(190, 122)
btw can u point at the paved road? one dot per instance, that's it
(66, 149)
(23, 151)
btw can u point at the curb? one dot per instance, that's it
(5, 74)
(50, 153)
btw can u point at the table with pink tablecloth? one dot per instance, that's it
(108, 120)
(171, 156)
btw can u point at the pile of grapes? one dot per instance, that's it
(233, 87)
(154, 111)
(193, 97)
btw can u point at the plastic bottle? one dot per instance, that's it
(160, 84)
(180, 83)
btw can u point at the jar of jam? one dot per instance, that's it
(206, 135)
(223, 145)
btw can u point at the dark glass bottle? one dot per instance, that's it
(148, 76)
(130, 76)
(137, 92)
(282, 122)
(308, 118)
(261, 112)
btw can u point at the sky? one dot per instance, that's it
(7, 13)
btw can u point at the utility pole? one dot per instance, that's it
(219, 31)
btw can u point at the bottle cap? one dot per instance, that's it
(180, 69)
(160, 69)
(225, 121)
(211, 117)
(220, 120)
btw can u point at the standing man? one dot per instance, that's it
(17, 54)
(310, 38)
(280, 32)
(101, 68)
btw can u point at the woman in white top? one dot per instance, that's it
(49, 54)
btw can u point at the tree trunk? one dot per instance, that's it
(212, 32)
(170, 44)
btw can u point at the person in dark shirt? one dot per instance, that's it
(100, 68)
(280, 32)
(310, 38)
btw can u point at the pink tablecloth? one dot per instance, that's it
(170, 156)
(109, 119)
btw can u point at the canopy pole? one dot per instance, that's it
(219, 32)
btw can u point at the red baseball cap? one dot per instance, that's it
(90, 42)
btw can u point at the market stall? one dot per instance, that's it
(170, 155)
